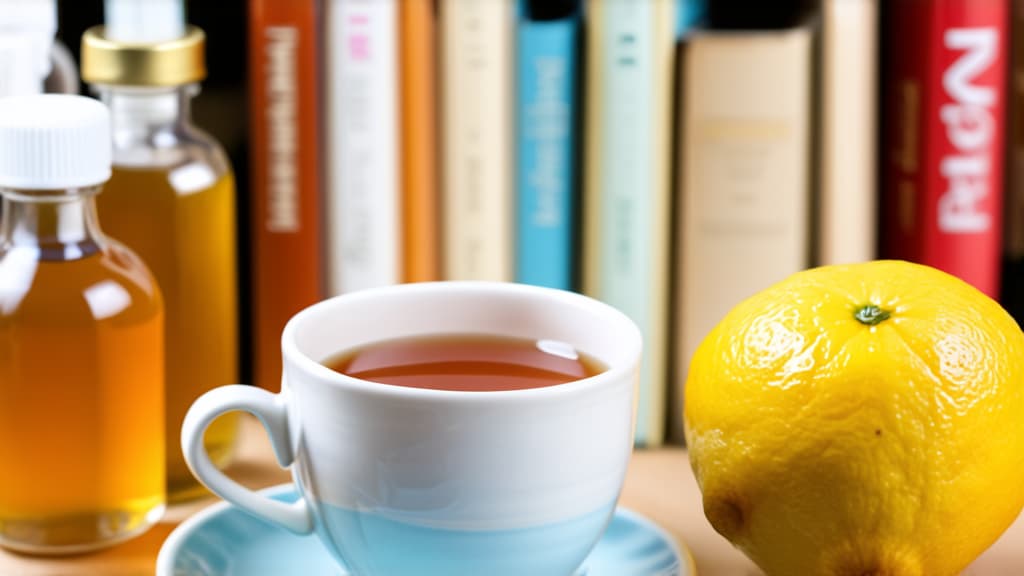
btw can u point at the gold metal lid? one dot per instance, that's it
(169, 63)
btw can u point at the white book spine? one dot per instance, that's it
(363, 202)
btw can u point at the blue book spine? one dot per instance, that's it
(547, 60)
(689, 15)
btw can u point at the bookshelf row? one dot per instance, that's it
(665, 156)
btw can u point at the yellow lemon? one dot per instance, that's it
(862, 420)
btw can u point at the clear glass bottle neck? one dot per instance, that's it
(142, 116)
(59, 225)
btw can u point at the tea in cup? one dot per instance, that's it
(445, 428)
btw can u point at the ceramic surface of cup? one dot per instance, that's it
(410, 481)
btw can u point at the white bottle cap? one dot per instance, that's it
(144, 21)
(53, 142)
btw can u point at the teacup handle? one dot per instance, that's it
(272, 411)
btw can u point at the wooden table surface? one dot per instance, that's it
(659, 485)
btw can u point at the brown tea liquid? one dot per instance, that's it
(81, 401)
(187, 238)
(466, 362)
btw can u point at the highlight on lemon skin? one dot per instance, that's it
(860, 420)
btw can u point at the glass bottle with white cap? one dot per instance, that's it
(172, 198)
(81, 342)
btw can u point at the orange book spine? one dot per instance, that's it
(287, 271)
(418, 121)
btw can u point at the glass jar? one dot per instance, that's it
(81, 342)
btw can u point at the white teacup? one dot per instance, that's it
(408, 481)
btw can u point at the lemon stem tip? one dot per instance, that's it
(871, 315)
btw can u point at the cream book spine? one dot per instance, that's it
(847, 220)
(745, 176)
(477, 47)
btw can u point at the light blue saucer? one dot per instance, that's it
(224, 541)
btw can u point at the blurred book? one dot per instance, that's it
(547, 111)
(745, 176)
(847, 226)
(630, 51)
(364, 219)
(477, 91)
(944, 97)
(417, 39)
(285, 191)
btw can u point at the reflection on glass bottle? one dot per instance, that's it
(81, 342)
(172, 198)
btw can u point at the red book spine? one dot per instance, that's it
(945, 101)
(285, 154)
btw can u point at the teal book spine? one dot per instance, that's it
(547, 64)
(631, 48)
(626, 203)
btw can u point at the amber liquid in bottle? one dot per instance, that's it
(81, 394)
(181, 222)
